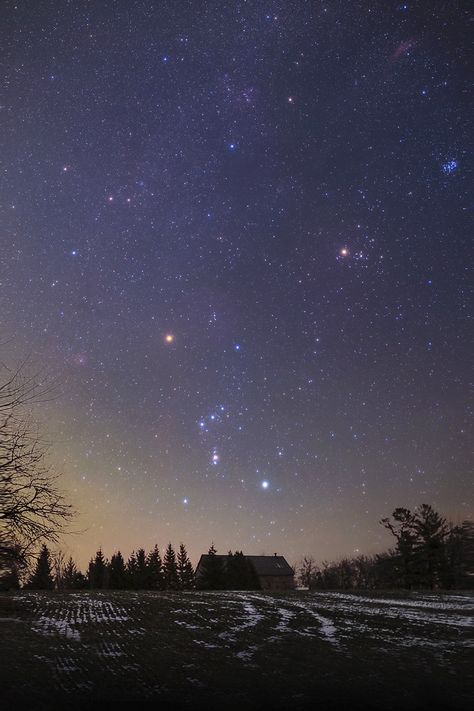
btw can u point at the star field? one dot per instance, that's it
(238, 235)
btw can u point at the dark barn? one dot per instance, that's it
(273, 571)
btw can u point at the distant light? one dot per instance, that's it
(232, 146)
(344, 252)
(169, 338)
(185, 501)
(74, 252)
(290, 100)
(265, 484)
(237, 347)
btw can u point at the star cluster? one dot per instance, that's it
(238, 234)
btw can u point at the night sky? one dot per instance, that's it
(238, 235)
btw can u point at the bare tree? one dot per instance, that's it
(32, 507)
(58, 560)
(307, 571)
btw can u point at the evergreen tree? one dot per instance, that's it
(466, 556)
(12, 561)
(431, 531)
(185, 570)
(97, 572)
(131, 572)
(42, 578)
(170, 571)
(154, 570)
(117, 572)
(72, 577)
(212, 572)
(141, 570)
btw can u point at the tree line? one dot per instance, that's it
(429, 553)
(142, 571)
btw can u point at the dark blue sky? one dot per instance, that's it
(285, 190)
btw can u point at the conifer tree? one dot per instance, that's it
(154, 570)
(185, 570)
(170, 571)
(131, 572)
(432, 531)
(117, 572)
(140, 570)
(72, 577)
(96, 573)
(42, 578)
(212, 573)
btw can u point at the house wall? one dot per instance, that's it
(277, 582)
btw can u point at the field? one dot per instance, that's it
(211, 650)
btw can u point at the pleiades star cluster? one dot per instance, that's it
(237, 236)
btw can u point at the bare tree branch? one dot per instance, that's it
(32, 506)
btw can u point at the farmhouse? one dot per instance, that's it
(273, 571)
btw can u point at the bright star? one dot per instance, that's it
(344, 252)
(265, 484)
(169, 338)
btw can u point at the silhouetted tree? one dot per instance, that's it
(466, 567)
(12, 563)
(58, 564)
(131, 570)
(170, 570)
(154, 570)
(141, 572)
(212, 572)
(185, 570)
(117, 572)
(96, 573)
(402, 528)
(32, 508)
(42, 577)
(432, 532)
(73, 579)
(307, 571)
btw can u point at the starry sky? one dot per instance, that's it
(236, 235)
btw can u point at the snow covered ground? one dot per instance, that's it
(150, 644)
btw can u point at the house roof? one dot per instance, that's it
(274, 565)
(270, 565)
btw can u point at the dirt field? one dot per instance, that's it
(235, 650)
